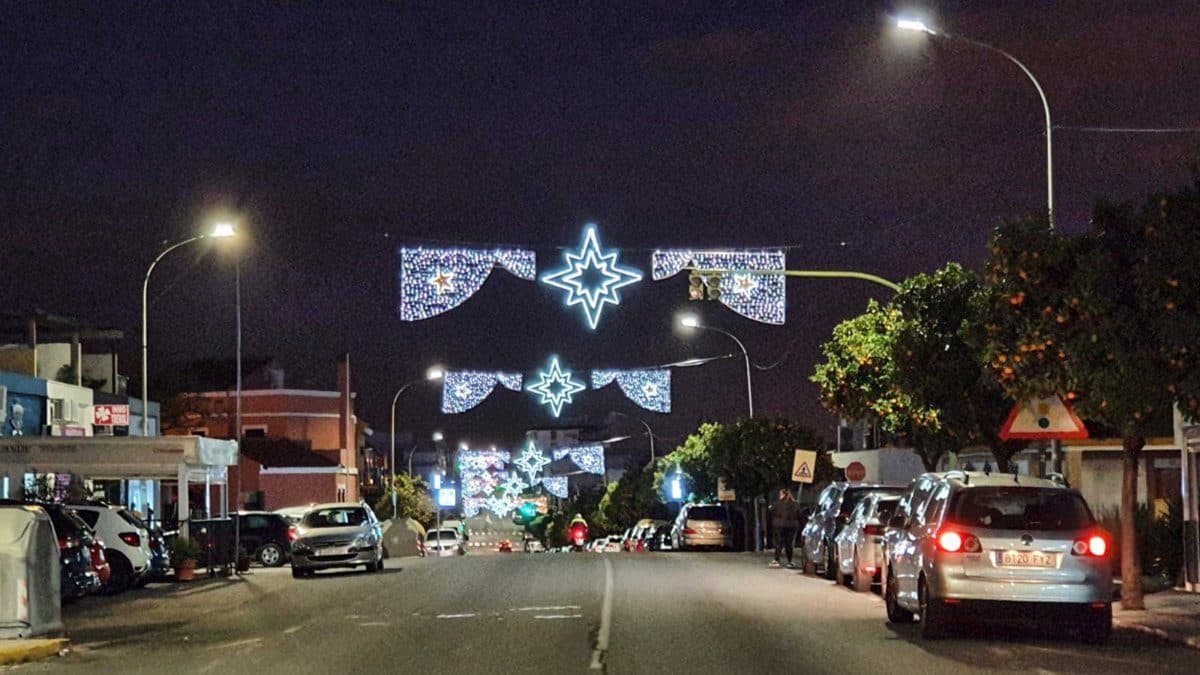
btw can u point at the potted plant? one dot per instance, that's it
(243, 560)
(184, 554)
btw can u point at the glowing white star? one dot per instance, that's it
(744, 284)
(514, 486)
(556, 387)
(592, 261)
(650, 390)
(444, 281)
(531, 461)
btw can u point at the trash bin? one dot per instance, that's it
(29, 573)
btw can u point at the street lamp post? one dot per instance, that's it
(921, 27)
(220, 231)
(649, 431)
(690, 321)
(432, 374)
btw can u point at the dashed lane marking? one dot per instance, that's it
(456, 616)
(605, 620)
(552, 608)
(558, 616)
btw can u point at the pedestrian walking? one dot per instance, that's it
(785, 522)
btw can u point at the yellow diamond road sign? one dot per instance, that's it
(803, 466)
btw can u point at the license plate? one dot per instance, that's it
(1026, 559)
(328, 550)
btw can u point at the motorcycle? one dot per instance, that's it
(578, 537)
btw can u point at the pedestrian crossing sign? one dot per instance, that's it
(802, 466)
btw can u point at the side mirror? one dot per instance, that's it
(897, 523)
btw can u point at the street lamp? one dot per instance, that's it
(649, 431)
(434, 373)
(691, 321)
(916, 25)
(219, 231)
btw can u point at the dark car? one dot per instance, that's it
(77, 576)
(833, 509)
(266, 536)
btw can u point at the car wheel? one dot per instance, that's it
(270, 555)
(895, 613)
(121, 576)
(933, 620)
(1097, 629)
(859, 581)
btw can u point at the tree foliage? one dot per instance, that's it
(413, 499)
(628, 500)
(755, 456)
(693, 461)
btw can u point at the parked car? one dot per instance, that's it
(911, 505)
(339, 534)
(445, 542)
(662, 539)
(627, 539)
(99, 559)
(834, 506)
(1002, 548)
(859, 546)
(613, 545)
(266, 536)
(126, 542)
(77, 577)
(160, 557)
(702, 525)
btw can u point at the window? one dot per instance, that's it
(57, 409)
(933, 510)
(341, 494)
(706, 513)
(256, 523)
(259, 431)
(334, 517)
(860, 511)
(198, 431)
(1020, 508)
(89, 517)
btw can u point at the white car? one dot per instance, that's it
(613, 545)
(126, 543)
(860, 543)
(444, 542)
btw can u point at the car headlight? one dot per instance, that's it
(364, 541)
(301, 546)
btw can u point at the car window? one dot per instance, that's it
(442, 535)
(933, 508)
(257, 522)
(706, 513)
(335, 517)
(916, 505)
(885, 508)
(1020, 508)
(826, 499)
(856, 495)
(89, 517)
(860, 511)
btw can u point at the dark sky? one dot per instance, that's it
(339, 134)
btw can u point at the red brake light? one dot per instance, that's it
(950, 542)
(293, 533)
(689, 530)
(130, 538)
(1097, 546)
(62, 543)
(873, 530)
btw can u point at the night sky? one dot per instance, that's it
(339, 135)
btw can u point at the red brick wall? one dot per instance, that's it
(299, 489)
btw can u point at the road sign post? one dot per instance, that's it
(804, 465)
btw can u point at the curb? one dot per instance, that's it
(30, 650)
(1192, 641)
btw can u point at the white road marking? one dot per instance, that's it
(544, 609)
(374, 623)
(605, 619)
(237, 643)
(289, 631)
(558, 616)
(456, 616)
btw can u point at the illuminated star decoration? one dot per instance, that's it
(462, 390)
(556, 388)
(514, 486)
(531, 460)
(479, 471)
(650, 388)
(436, 280)
(762, 297)
(556, 485)
(592, 278)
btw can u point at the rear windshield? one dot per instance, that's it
(885, 510)
(856, 495)
(1020, 508)
(706, 513)
(335, 517)
(447, 535)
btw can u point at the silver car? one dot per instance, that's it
(995, 547)
(701, 525)
(337, 535)
(859, 546)
(444, 542)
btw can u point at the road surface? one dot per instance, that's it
(541, 613)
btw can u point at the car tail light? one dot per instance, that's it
(873, 530)
(953, 542)
(293, 533)
(1093, 545)
(689, 530)
(131, 538)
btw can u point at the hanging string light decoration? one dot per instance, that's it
(762, 297)
(556, 387)
(592, 278)
(557, 486)
(436, 280)
(649, 388)
(531, 461)
(481, 472)
(464, 389)
(589, 458)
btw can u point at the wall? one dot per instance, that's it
(16, 359)
(297, 489)
(77, 404)
(51, 357)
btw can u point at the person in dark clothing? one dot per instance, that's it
(785, 522)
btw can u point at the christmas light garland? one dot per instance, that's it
(649, 388)
(762, 297)
(436, 280)
(463, 390)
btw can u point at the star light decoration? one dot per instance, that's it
(480, 471)
(762, 297)
(650, 388)
(531, 460)
(436, 280)
(465, 389)
(514, 486)
(556, 387)
(592, 278)
(557, 486)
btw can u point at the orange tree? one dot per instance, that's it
(1110, 320)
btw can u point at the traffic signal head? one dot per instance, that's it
(527, 511)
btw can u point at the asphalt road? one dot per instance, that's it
(686, 612)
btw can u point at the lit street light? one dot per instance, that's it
(434, 373)
(220, 231)
(649, 431)
(691, 321)
(917, 25)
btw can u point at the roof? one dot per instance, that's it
(980, 479)
(284, 452)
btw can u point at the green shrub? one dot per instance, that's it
(1159, 538)
(182, 548)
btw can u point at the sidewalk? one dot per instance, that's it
(1170, 615)
(20, 651)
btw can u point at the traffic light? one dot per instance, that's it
(527, 512)
(704, 286)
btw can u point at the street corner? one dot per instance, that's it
(23, 651)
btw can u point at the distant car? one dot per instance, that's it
(662, 539)
(444, 542)
(626, 539)
(505, 546)
(534, 546)
(1002, 548)
(77, 577)
(834, 506)
(859, 546)
(340, 534)
(126, 542)
(702, 526)
(266, 536)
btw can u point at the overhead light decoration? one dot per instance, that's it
(463, 390)
(436, 280)
(761, 297)
(501, 505)
(556, 387)
(589, 458)
(514, 486)
(480, 471)
(649, 388)
(531, 461)
(557, 486)
(592, 278)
